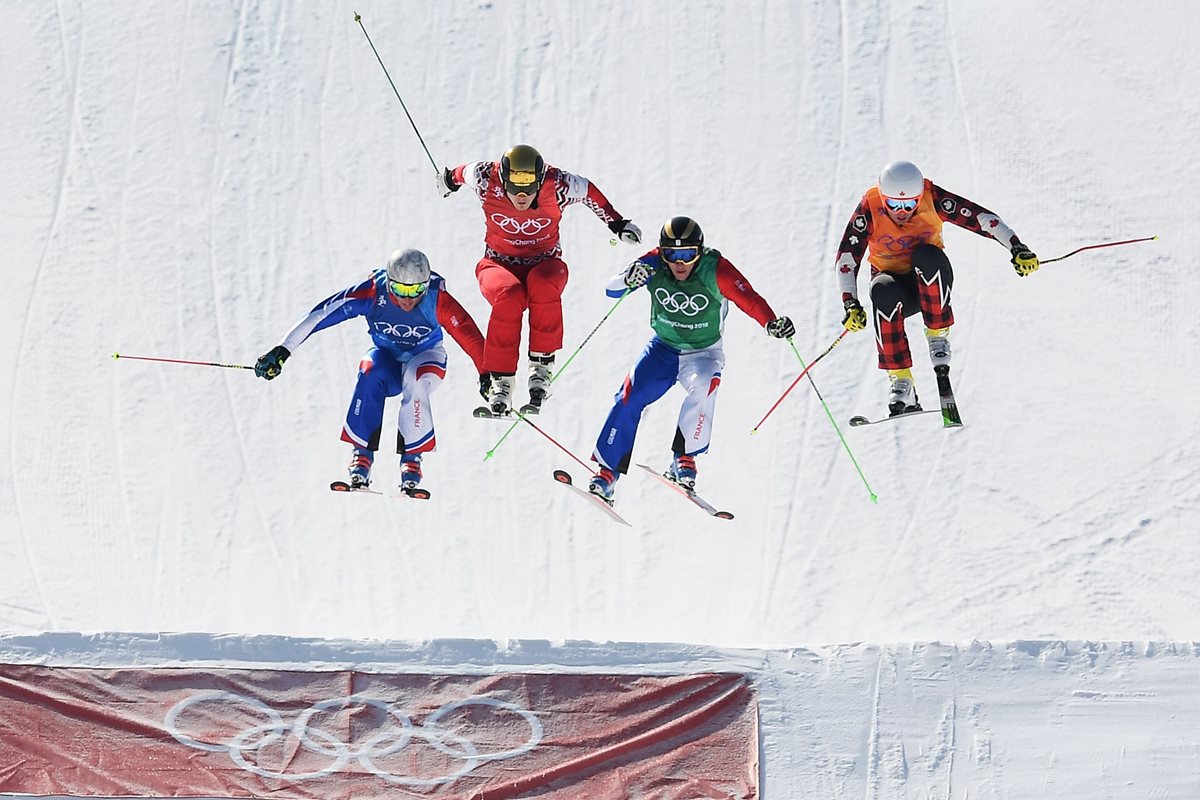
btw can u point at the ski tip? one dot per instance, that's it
(723, 515)
(418, 494)
(340, 486)
(562, 476)
(856, 421)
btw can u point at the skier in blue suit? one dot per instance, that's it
(406, 307)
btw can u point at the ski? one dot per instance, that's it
(859, 421)
(483, 412)
(564, 477)
(415, 493)
(949, 408)
(696, 499)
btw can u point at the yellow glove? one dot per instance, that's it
(1023, 260)
(856, 318)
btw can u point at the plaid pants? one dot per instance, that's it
(926, 288)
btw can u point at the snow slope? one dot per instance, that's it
(187, 179)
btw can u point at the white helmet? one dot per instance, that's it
(408, 267)
(901, 179)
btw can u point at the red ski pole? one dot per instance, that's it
(1095, 246)
(179, 361)
(798, 377)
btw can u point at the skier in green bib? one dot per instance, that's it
(690, 287)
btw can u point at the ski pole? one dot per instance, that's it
(358, 19)
(559, 373)
(833, 422)
(1095, 246)
(179, 361)
(801, 375)
(554, 442)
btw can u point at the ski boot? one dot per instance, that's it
(500, 393)
(939, 347)
(410, 472)
(360, 469)
(603, 484)
(540, 377)
(902, 393)
(683, 472)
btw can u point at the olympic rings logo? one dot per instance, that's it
(527, 227)
(400, 731)
(402, 331)
(679, 303)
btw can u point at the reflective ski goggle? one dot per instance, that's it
(519, 182)
(895, 204)
(681, 255)
(408, 289)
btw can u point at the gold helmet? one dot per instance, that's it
(522, 170)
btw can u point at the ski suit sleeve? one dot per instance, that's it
(973, 217)
(578, 189)
(473, 174)
(616, 284)
(853, 248)
(346, 304)
(734, 285)
(459, 324)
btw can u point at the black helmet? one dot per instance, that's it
(522, 169)
(681, 240)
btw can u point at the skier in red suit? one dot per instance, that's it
(523, 199)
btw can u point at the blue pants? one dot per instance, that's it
(382, 375)
(659, 368)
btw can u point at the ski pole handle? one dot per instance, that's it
(1096, 246)
(117, 356)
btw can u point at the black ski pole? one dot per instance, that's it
(358, 19)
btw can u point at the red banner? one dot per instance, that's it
(337, 735)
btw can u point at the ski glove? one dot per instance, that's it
(636, 274)
(270, 364)
(781, 328)
(856, 318)
(629, 233)
(445, 182)
(1023, 260)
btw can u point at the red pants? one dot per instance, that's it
(511, 290)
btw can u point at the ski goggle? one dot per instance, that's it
(895, 204)
(681, 255)
(407, 289)
(520, 182)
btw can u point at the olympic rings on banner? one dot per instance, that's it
(680, 303)
(399, 732)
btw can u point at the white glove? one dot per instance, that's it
(445, 182)
(626, 230)
(636, 274)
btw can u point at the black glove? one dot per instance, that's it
(1023, 260)
(485, 384)
(626, 231)
(446, 183)
(270, 364)
(781, 328)
(856, 318)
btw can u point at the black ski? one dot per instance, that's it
(949, 408)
